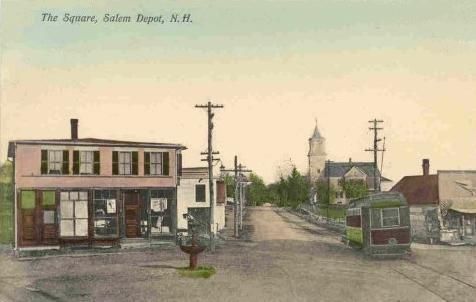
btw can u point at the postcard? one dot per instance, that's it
(252, 150)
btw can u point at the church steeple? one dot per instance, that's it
(316, 134)
(317, 155)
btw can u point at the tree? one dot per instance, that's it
(290, 191)
(257, 191)
(297, 187)
(325, 194)
(354, 188)
(230, 185)
(6, 203)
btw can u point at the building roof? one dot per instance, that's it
(198, 172)
(421, 189)
(195, 172)
(92, 142)
(339, 169)
(316, 134)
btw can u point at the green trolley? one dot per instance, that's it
(379, 224)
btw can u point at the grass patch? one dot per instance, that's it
(199, 272)
(332, 212)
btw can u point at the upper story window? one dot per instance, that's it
(156, 163)
(200, 194)
(54, 162)
(86, 162)
(125, 163)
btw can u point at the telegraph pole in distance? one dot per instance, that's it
(209, 106)
(328, 189)
(238, 169)
(240, 188)
(375, 127)
(235, 205)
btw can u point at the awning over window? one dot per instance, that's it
(465, 206)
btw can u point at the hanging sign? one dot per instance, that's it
(111, 206)
(158, 204)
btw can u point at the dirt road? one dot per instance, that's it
(284, 259)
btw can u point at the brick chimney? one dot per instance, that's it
(426, 167)
(74, 129)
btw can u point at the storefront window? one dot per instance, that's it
(74, 214)
(160, 217)
(105, 213)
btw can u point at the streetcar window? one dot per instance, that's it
(353, 212)
(390, 217)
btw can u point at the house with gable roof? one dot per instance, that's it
(341, 172)
(442, 205)
(337, 173)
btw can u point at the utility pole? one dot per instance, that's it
(375, 127)
(328, 190)
(237, 213)
(381, 163)
(235, 205)
(209, 106)
(240, 187)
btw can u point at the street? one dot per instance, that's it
(283, 258)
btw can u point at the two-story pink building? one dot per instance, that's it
(92, 192)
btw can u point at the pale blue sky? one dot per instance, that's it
(274, 64)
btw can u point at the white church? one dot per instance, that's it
(321, 169)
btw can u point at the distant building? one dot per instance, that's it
(421, 193)
(445, 202)
(194, 200)
(320, 169)
(341, 172)
(316, 155)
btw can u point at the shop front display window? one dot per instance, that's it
(160, 213)
(105, 214)
(74, 214)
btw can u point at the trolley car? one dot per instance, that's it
(379, 224)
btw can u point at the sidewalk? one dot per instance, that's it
(422, 246)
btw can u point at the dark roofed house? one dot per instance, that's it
(339, 172)
(421, 193)
(442, 205)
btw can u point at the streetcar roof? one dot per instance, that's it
(379, 200)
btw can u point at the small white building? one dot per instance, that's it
(193, 198)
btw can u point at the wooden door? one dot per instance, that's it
(37, 218)
(132, 214)
(28, 219)
(48, 216)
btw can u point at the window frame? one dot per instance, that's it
(114, 217)
(123, 164)
(156, 164)
(55, 162)
(204, 193)
(86, 163)
(383, 225)
(74, 219)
